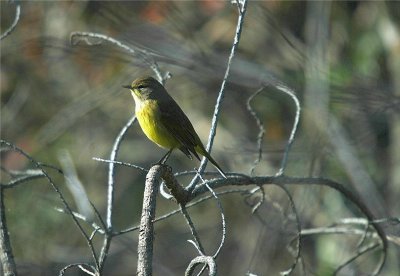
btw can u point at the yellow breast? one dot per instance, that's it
(148, 115)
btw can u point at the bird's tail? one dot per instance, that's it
(203, 152)
(216, 165)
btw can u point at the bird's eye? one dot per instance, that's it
(140, 87)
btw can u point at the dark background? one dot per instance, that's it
(342, 59)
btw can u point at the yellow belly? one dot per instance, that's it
(148, 116)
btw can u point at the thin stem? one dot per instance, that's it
(60, 195)
(143, 54)
(289, 143)
(111, 171)
(358, 254)
(15, 22)
(221, 94)
(261, 129)
(281, 180)
(222, 219)
(192, 228)
(298, 233)
(110, 194)
(177, 211)
(121, 163)
(17, 181)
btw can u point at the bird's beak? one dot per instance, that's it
(127, 86)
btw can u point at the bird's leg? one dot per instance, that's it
(165, 157)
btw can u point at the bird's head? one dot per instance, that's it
(145, 88)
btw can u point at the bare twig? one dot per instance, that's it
(222, 220)
(121, 163)
(283, 180)
(144, 55)
(110, 193)
(30, 175)
(358, 254)
(189, 222)
(287, 90)
(177, 211)
(260, 202)
(222, 217)
(15, 22)
(167, 195)
(347, 231)
(87, 271)
(207, 260)
(94, 225)
(176, 190)
(80, 266)
(164, 192)
(221, 93)
(261, 129)
(99, 217)
(362, 221)
(111, 171)
(60, 195)
(290, 141)
(298, 233)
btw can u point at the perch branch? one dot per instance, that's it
(146, 232)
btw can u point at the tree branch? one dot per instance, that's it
(284, 180)
(146, 232)
(110, 193)
(207, 260)
(6, 255)
(242, 11)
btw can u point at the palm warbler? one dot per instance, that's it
(164, 122)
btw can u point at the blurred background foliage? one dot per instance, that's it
(341, 57)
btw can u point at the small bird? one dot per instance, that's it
(164, 122)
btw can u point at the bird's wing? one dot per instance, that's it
(179, 126)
